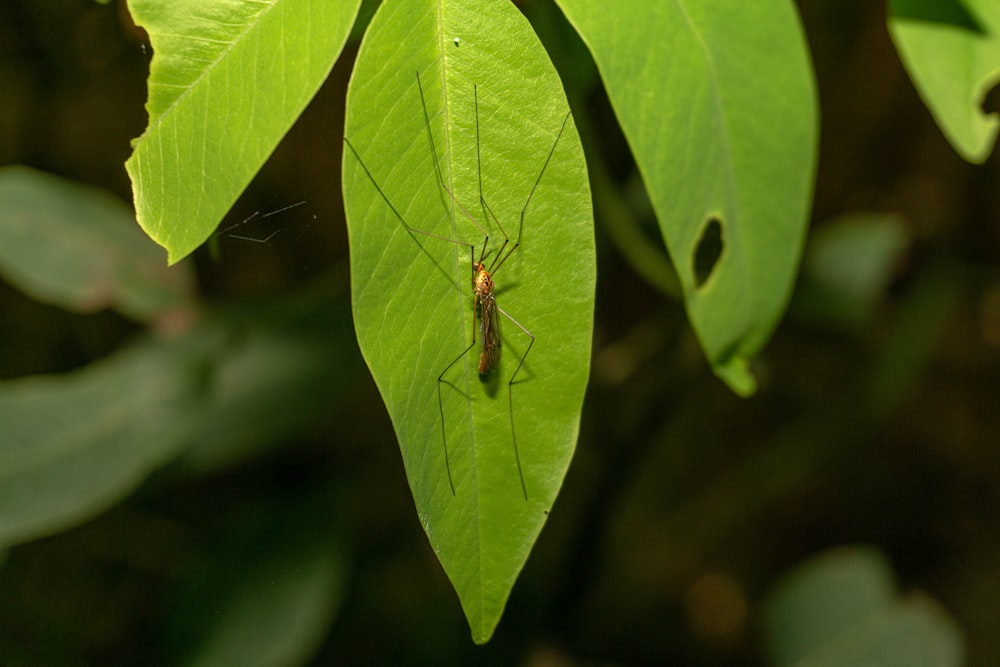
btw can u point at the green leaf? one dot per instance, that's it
(848, 266)
(951, 48)
(72, 445)
(841, 609)
(269, 603)
(78, 248)
(286, 363)
(279, 619)
(227, 80)
(412, 293)
(718, 103)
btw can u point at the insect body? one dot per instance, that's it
(489, 320)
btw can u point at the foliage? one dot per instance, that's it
(841, 609)
(457, 129)
(736, 77)
(952, 51)
(509, 440)
(228, 80)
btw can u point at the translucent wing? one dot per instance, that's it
(489, 329)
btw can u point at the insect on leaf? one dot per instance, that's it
(412, 282)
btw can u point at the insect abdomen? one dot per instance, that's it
(489, 324)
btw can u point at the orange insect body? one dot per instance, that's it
(489, 319)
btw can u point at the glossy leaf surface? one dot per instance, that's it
(951, 49)
(718, 103)
(412, 293)
(227, 80)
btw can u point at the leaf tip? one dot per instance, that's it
(735, 372)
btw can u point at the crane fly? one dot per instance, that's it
(485, 309)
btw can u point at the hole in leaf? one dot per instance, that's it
(991, 101)
(708, 251)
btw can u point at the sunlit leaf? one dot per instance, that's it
(718, 103)
(227, 80)
(951, 48)
(412, 293)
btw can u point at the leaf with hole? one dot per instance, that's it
(951, 50)
(718, 104)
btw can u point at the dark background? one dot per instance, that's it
(677, 483)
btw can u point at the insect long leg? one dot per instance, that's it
(510, 395)
(444, 439)
(487, 211)
(472, 252)
(501, 256)
(402, 220)
(538, 180)
(437, 167)
(487, 301)
(482, 283)
(227, 232)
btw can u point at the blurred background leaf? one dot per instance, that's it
(270, 587)
(848, 267)
(841, 608)
(71, 445)
(79, 248)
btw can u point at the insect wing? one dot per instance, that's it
(489, 329)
